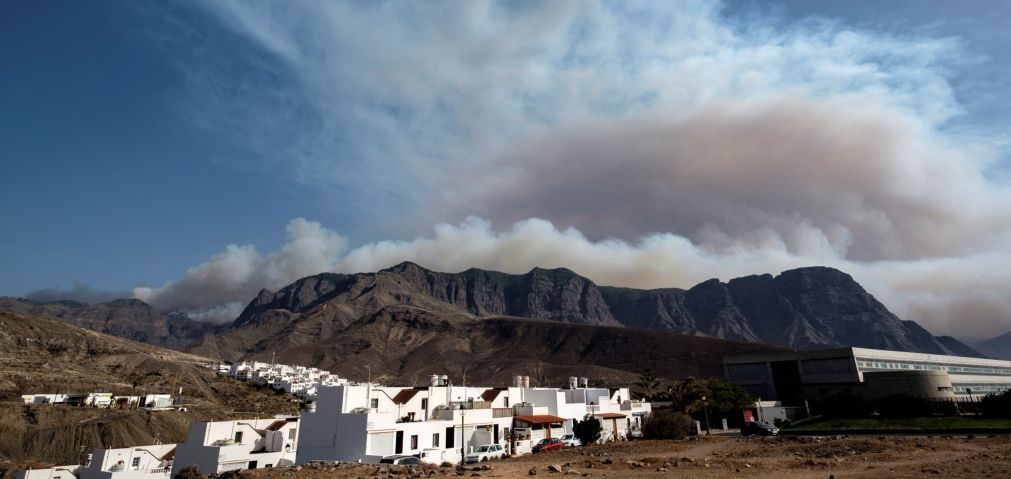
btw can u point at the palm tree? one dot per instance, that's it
(685, 395)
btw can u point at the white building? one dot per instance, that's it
(367, 422)
(221, 446)
(55, 472)
(794, 376)
(141, 462)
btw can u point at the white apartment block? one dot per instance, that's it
(141, 462)
(217, 447)
(367, 422)
(296, 380)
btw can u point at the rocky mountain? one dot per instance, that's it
(402, 344)
(997, 347)
(126, 318)
(803, 308)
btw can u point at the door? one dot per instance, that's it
(496, 434)
(450, 438)
(399, 447)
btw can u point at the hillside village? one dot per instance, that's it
(364, 423)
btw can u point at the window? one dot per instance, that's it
(135, 463)
(292, 433)
(424, 403)
(374, 403)
(414, 442)
(506, 401)
(238, 437)
(268, 465)
(435, 440)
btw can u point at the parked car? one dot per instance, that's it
(571, 440)
(634, 434)
(402, 460)
(548, 444)
(759, 428)
(484, 453)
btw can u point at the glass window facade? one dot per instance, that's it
(891, 365)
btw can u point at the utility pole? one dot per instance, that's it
(705, 409)
(463, 413)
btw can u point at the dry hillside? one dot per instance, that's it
(43, 356)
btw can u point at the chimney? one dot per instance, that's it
(573, 382)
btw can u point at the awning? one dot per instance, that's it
(405, 395)
(540, 419)
(609, 415)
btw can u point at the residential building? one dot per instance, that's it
(221, 446)
(365, 422)
(140, 462)
(55, 472)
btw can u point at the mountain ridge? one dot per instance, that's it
(802, 308)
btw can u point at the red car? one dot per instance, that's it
(548, 444)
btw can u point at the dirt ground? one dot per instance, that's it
(719, 457)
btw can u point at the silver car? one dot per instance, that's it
(484, 453)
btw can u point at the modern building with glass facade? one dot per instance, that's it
(794, 376)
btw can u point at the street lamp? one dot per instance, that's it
(705, 409)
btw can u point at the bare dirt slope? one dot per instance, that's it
(770, 458)
(43, 356)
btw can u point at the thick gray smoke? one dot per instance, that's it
(821, 177)
(218, 289)
(638, 147)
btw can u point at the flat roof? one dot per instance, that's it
(865, 353)
(609, 415)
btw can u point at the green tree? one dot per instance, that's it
(588, 430)
(724, 400)
(647, 385)
(685, 395)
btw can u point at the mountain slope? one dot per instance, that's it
(998, 347)
(44, 356)
(127, 318)
(403, 344)
(803, 308)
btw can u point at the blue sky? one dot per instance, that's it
(201, 151)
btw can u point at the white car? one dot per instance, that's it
(484, 453)
(571, 440)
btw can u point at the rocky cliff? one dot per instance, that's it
(803, 308)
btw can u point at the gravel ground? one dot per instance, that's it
(778, 458)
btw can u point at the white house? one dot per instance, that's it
(221, 446)
(367, 422)
(141, 462)
(55, 472)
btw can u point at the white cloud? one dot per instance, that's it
(710, 147)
